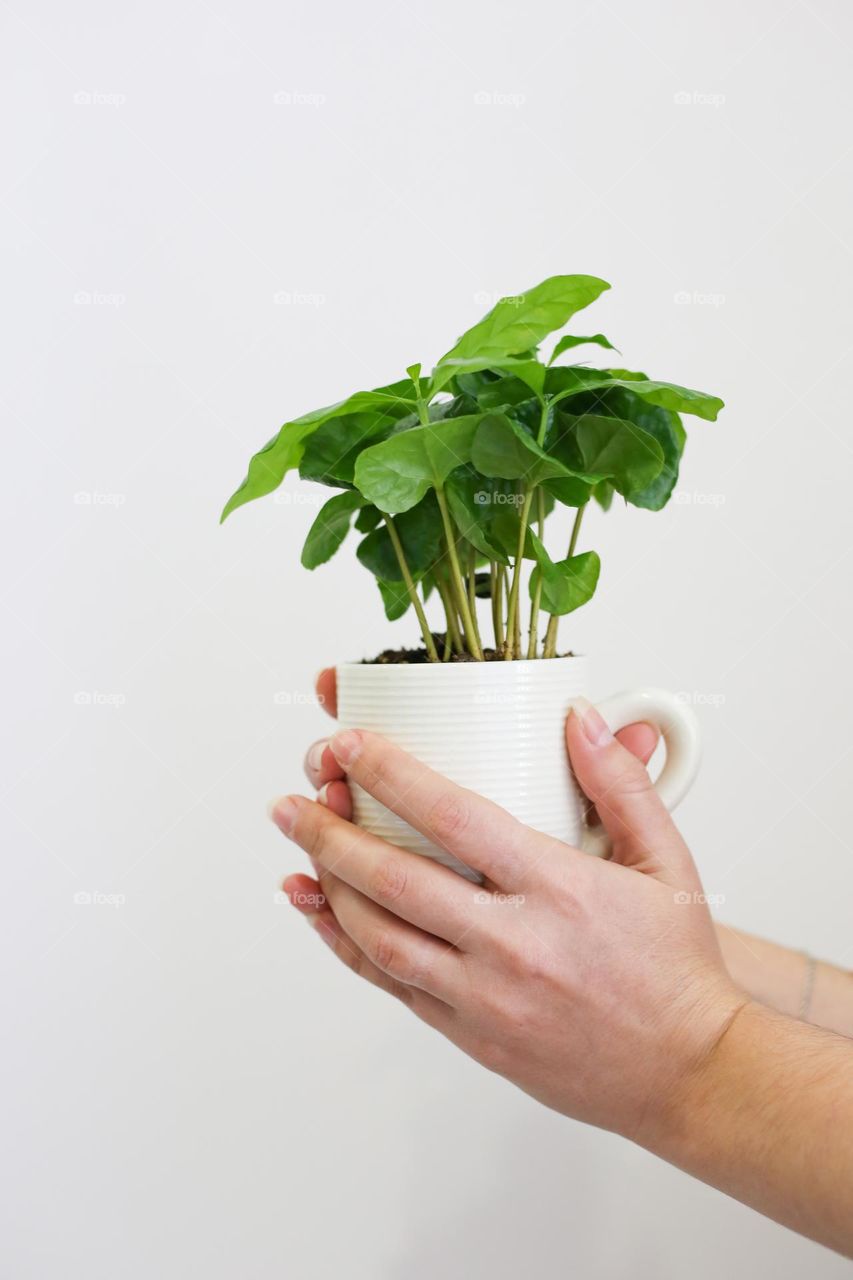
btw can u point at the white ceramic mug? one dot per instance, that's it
(499, 729)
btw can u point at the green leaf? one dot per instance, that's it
(570, 491)
(368, 518)
(517, 324)
(529, 372)
(420, 531)
(475, 503)
(567, 584)
(603, 494)
(330, 453)
(573, 380)
(268, 468)
(395, 598)
(667, 429)
(502, 448)
(570, 341)
(395, 474)
(330, 528)
(606, 448)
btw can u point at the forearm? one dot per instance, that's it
(769, 1120)
(780, 978)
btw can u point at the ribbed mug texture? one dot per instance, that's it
(495, 727)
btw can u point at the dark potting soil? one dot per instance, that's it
(414, 657)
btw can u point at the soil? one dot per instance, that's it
(413, 657)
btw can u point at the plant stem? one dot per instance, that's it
(501, 594)
(456, 578)
(554, 621)
(496, 584)
(537, 593)
(432, 652)
(512, 610)
(472, 590)
(450, 611)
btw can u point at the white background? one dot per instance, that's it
(193, 1086)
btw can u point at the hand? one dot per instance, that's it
(322, 769)
(596, 986)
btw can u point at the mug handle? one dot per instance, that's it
(679, 728)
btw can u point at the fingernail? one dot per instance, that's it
(594, 728)
(345, 746)
(283, 813)
(323, 795)
(315, 755)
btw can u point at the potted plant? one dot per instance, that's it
(449, 479)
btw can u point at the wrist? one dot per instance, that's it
(726, 1026)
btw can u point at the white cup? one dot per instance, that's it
(499, 729)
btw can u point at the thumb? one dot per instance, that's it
(631, 811)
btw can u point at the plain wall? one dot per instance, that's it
(219, 215)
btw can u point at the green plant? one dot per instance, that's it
(450, 478)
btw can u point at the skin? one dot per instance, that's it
(598, 987)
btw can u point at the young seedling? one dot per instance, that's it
(451, 478)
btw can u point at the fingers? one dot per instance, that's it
(336, 796)
(400, 950)
(475, 830)
(640, 739)
(327, 690)
(630, 809)
(327, 928)
(320, 765)
(413, 888)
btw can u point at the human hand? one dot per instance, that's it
(324, 772)
(596, 986)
